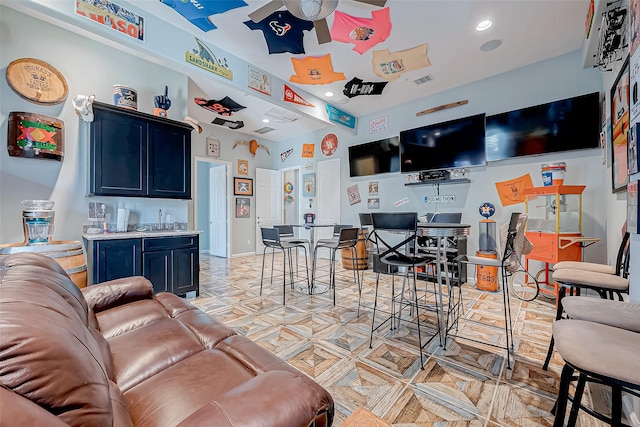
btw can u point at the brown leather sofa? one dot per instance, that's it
(114, 354)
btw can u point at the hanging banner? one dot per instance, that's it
(290, 95)
(339, 116)
(112, 15)
(284, 155)
(510, 191)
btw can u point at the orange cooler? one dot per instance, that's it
(487, 276)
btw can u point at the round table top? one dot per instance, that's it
(442, 229)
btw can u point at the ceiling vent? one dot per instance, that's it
(263, 130)
(423, 79)
(280, 115)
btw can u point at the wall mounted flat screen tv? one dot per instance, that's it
(453, 144)
(376, 157)
(568, 124)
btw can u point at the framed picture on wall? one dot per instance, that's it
(619, 129)
(243, 207)
(242, 186)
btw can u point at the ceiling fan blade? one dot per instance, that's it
(379, 3)
(266, 10)
(322, 31)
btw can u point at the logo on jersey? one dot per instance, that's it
(280, 30)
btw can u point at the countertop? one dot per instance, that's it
(140, 234)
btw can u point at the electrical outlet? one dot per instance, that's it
(248, 242)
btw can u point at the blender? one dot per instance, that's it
(37, 219)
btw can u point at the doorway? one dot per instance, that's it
(212, 206)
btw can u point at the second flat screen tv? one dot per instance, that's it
(456, 143)
(567, 124)
(376, 157)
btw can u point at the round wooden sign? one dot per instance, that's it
(36, 81)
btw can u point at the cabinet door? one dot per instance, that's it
(169, 161)
(185, 271)
(156, 266)
(118, 154)
(114, 259)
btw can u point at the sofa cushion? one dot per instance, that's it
(48, 354)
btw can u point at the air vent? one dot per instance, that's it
(280, 115)
(423, 79)
(264, 130)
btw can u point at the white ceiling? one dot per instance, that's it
(530, 31)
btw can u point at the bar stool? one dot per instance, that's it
(599, 353)
(621, 268)
(347, 238)
(271, 239)
(399, 255)
(606, 285)
(287, 235)
(620, 314)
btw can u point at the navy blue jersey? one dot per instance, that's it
(197, 11)
(282, 31)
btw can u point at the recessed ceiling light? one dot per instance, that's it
(328, 94)
(484, 25)
(490, 45)
(265, 120)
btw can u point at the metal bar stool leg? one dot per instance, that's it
(563, 395)
(577, 398)
(375, 304)
(561, 293)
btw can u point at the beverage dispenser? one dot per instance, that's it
(37, 220)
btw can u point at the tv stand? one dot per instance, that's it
(439, 181)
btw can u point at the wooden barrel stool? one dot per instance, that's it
(68, 253)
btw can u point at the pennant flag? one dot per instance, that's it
(198, 12)
(283, 156)
(290, 95)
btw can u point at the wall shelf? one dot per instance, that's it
(439, 181)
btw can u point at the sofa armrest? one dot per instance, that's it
(113, 293)
(272, 399)
(20, 411)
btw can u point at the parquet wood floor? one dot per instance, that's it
(468, 384)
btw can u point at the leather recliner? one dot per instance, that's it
(114, 354)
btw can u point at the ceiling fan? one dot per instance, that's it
(309, 10)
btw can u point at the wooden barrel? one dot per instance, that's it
(68, 253)
(361, 261)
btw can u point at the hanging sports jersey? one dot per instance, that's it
(363, 32)
(356, 87)
(228, 123)
(225, 106)
(282, 31)
(390, 66)
(314, 70)
(197, 11)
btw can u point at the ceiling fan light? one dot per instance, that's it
(310, 8)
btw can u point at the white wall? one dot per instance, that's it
(546, 81)
(89, 68)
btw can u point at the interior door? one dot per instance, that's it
(218, 211)
(268, 188)
(329, 196)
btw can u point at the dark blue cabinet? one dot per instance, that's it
(171, 263)
(138, 155)
(114, 259)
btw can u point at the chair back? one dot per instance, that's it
(348, 237)
(516, 243)
(622, 259)
(365, 219)
(395, 223)
(284, 230)
(270, 236)
(338, 227)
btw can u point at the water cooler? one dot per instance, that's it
(487, 276)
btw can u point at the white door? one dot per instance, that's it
(329, 196)
(218, 210)
(268, 187)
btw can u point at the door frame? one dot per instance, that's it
(297, 189)
(196, 200)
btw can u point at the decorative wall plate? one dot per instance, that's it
(37, 81)
(329, 144)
